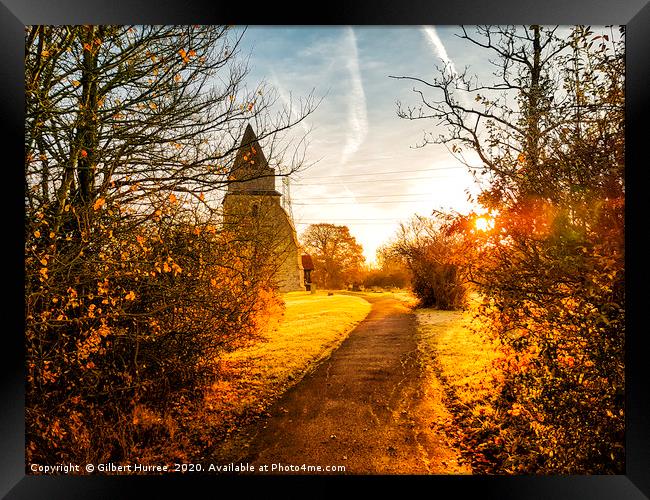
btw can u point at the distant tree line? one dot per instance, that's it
(390, 271)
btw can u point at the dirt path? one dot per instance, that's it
(362, 408)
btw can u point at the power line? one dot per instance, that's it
(388, 172)
(376, 180)
(362, 203)
(369, 196)
(393, 219)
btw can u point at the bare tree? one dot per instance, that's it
(121, 111)
(133, 286)
(548, 129)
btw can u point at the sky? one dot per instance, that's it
(366, 171)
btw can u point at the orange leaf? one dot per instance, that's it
(183, 55)
(99, 203)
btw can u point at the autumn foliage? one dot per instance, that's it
(338, 258)
(133, 287)
(431, 255)
(133, 327)
(549, 266)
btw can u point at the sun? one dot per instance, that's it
(484, 223)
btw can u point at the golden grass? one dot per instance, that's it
(397, 293)
(312, 327)
(460, 354)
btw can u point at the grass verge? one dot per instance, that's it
(460, 356)
(312, 327)
(403, 295)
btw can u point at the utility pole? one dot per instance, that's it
(286, 196)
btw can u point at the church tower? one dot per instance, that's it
(253, 204)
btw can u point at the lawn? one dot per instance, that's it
(463, 354)
(312, 327)
(397, 293)
(457, 354)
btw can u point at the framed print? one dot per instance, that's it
(380, 244)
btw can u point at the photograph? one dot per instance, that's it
(325, 250)
(395, 247)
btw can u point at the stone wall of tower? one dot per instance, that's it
(291, 276)
(265, 180)
(264, 218)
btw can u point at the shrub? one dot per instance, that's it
(430, 254)
(120, 344)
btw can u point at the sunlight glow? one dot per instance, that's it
(484, 223)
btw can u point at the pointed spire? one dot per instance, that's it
(250, 163)
(250, 153)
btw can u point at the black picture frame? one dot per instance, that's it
(15, 14)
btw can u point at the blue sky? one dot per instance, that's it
(356, 130)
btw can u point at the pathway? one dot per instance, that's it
(362, 408)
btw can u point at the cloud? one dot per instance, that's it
(439, 48)
(289, 103)
(357, 112)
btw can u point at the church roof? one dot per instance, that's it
(250, 157)
(250, 170)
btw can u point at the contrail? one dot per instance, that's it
(286, 100)
(439, 48)
(357, 114)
